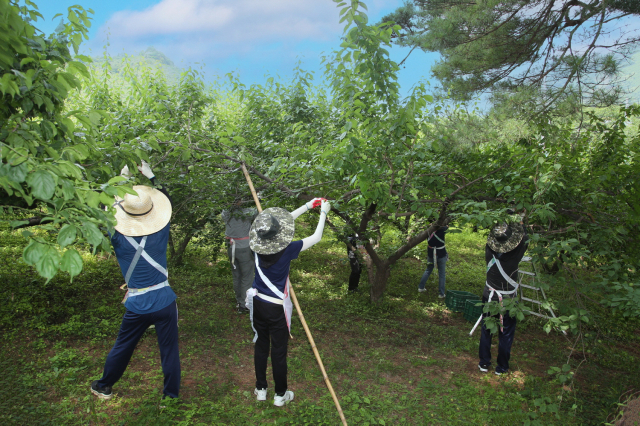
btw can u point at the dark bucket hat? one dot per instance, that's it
(271, 231)
(505, 237)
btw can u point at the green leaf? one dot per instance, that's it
(106, 199)
(68, 190)
(116, 180)
(18, 173)
(94, 117)
(48, 264)
(42, 183)
(92, 233)
(33, 252)
(67, 235)
(71, 262)
(92, 198)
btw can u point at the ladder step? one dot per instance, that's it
(531, 300)
(533, 274)
(530, 286)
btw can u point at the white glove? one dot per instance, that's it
(309, 204)
(125, 172)
(145, 169)
(325, 207)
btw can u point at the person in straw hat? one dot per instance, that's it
(268, 300)
(506, 245)
(140, 244)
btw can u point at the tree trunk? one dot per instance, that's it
(379, 280)
(179, 253)
(370, 267)
(172, 248)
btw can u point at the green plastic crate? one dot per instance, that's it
(455, 299)
(471, 311)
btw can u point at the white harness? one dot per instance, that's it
(140, 252)
(435, 249)
(500, 293)
(283, 299)
(232, 242)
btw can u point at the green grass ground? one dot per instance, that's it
(405, 361)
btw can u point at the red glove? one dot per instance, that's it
(318, 201)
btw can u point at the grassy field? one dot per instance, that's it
(405, 361)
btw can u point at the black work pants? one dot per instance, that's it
(273, 333)
(505, 340)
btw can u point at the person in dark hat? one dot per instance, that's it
(506, 245)
(268, 300)
(140, 244)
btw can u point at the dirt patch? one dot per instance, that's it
(631, 415)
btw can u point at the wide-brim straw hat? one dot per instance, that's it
(142, 214)
(271, 231)
(505, 237)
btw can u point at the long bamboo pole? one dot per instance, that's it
(302, 320)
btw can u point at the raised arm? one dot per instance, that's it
(317, 236)
(304, 208)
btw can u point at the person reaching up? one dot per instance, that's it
(140, 243)
(268, 300)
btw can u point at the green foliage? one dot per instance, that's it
(519, 47)
(50, 157)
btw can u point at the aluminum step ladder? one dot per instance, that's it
(531, 274)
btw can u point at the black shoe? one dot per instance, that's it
(101, 392)
(353, 290)
(242, 310)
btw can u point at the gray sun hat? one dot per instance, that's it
(271, 231)
(505, 237)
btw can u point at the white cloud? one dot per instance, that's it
(229, 21)
(252, 37)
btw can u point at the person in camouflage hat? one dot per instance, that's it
(506, 245)
(268, 301)
(271, 231)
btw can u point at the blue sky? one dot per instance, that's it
(254, 38)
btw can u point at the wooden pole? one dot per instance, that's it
(302, 320)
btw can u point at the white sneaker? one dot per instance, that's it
(261, 394)
(279, 401)
(421, 290)
(483, 369)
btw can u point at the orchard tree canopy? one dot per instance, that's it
(567, 48)
(386, 161)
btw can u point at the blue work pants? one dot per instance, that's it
(131, 330)
(442, 262)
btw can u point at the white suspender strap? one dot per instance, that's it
(493, 291)
(435, 249)
(146, 257)
(136, 258)
(248, 302)
(437, 238)
(233, 252)
(502, 272)
(266, 280)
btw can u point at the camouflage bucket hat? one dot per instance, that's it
(505, 237)
(271, 231)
